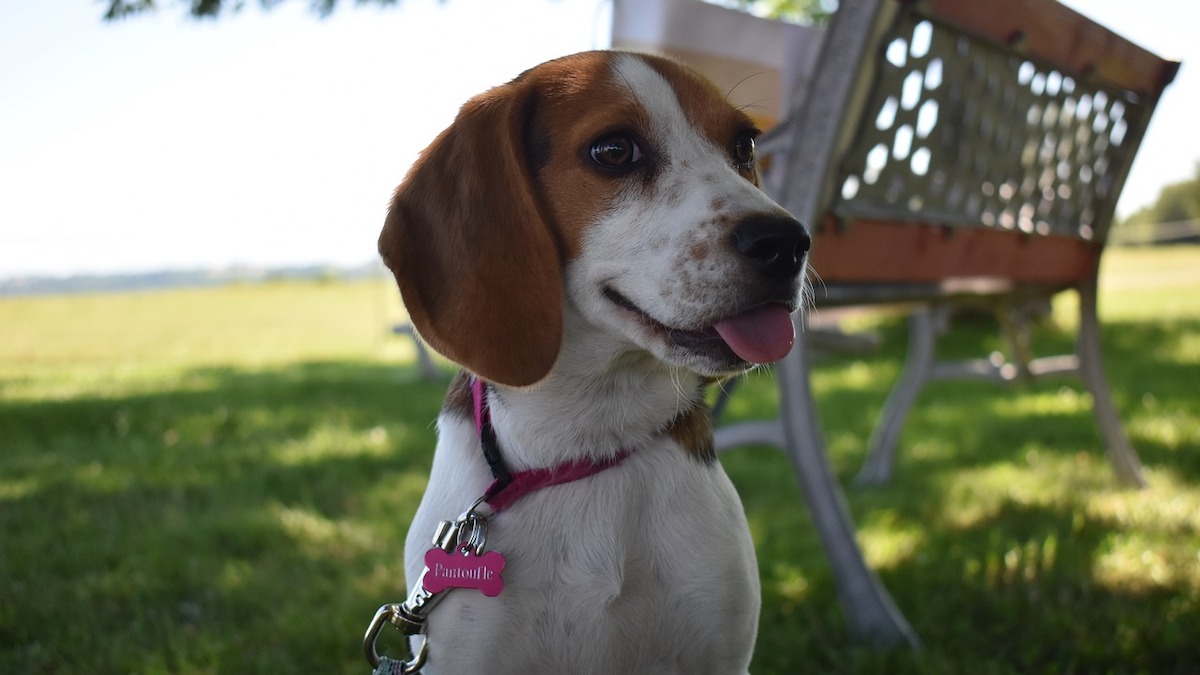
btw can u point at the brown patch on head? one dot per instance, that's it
(706, 107)
(693, 431)
(580, 103)
(582, 100)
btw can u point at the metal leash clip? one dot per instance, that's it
(395, 614)
(470, 530)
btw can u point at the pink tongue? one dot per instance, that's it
(761, 335)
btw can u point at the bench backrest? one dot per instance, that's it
(941, 140)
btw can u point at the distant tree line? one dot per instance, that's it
(1173, 216)
(211, 9)
(800, 11)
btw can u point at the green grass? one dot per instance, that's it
(220, 480)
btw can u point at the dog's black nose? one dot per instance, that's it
(775, 245)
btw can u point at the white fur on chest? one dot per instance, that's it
(603, 575)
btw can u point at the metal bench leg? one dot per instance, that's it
(1091, 368)
(870, 610)
(723, 395)
(871, 613)
(429, 371)
(924, 326)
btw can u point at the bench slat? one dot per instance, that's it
(1059, 35)
(867, 251)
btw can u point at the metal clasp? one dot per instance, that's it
(410, 626)
(466, 533)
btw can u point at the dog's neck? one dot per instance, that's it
(604, 395)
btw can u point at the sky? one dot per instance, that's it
(276, 138)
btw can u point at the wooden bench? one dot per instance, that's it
(951, 153)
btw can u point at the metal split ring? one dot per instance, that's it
(476, 538)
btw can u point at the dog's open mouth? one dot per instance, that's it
(763, 334)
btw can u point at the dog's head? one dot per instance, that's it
(623, 185)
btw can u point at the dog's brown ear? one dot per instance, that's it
(478, 265)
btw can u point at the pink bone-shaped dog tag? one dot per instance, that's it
(456, 570)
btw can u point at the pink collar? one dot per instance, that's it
(507, 488)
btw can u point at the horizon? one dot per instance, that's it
(275, 138)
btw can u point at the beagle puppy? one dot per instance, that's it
(590, 244)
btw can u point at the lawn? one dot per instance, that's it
(220, 480)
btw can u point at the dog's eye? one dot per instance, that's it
(615, 152)
(743, 150)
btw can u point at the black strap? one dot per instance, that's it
(491, 448)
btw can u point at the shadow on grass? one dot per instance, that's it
(237, 522)
(957, 424)
(1014, 593)
(1147, 378)
(251, 521)
(989, 541)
